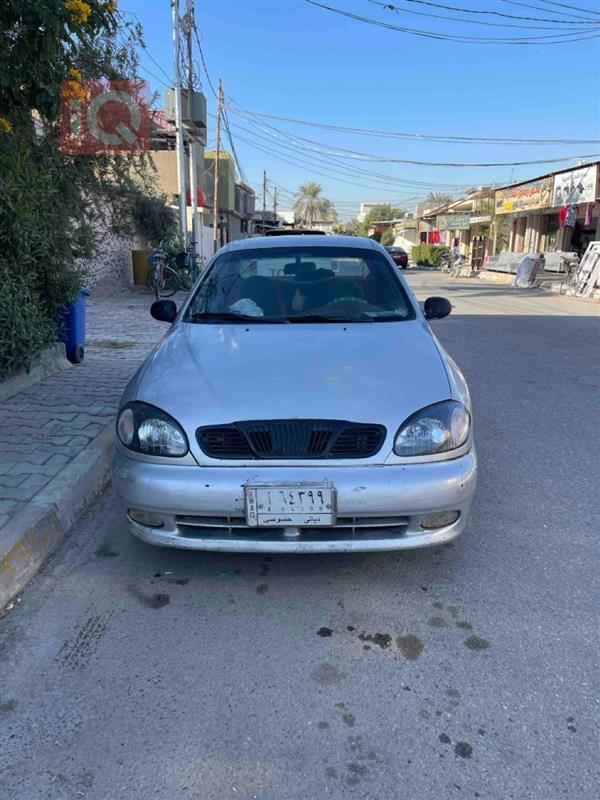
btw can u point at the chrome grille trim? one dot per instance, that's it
(345, 525)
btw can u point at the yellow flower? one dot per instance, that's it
(5, 125)
(74, 74)
(73, 90)
(80, 10)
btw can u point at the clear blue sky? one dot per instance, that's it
(289, 58)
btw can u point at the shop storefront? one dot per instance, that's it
(558, 212)
(455, 231)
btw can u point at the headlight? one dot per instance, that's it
(435, 429)
(149, 430)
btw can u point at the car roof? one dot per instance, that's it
(260, 242)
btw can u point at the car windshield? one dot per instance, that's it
(300, 284)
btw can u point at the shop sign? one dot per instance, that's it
(524, 197)
(480, 220)
(576, 186)
(453, 222)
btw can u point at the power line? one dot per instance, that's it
(391, 7)
(337, 163)
(147, 51)
(297, 162)
(573, 8)
(557, 38)
(210, 83)
(156, 78)
(545, 10)
(230, 137)
(361, 156)
(341, 176)
(423, 136)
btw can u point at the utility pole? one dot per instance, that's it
(216, 184)
(179, 124)
(188, 26)
(264, 193)
(275, 202)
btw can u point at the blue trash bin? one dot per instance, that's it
(71, 327)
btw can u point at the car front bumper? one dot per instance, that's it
(378, 507)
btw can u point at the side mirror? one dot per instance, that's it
(437, 307)
(163, 310)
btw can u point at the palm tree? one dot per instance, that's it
(309, 207)
(327, 212)
(437, 198)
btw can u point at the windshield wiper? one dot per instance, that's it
(231, 316)
(391, 317)
(329, 318)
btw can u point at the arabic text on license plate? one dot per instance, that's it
(289, 505)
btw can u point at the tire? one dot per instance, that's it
(186, 280)
(167, 287)
(170, 283)
(78, 355)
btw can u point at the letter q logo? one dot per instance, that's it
(103, 118)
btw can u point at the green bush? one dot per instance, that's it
(38, 245)
(52, 204)
(430, 254)
(26, 329)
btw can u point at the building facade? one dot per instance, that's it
(554, 212)
(464, 224)
(236, 200)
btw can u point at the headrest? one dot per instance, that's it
(315, 275)
(299, 267)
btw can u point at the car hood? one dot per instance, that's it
(205, 374)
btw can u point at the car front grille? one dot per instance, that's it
(291, 439)
(345, 528)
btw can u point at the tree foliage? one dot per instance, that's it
(387, 237)
(437, 199)
(51, 204)
(379, 213)
(310, 207)
(383, 212)
(349, 228)
(40, 42)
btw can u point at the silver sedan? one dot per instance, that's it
(299, 402)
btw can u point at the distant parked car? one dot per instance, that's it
(299, 403)
(399, 256)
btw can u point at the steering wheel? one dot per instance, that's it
(352, 302)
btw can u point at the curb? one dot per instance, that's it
(50, 362)
(32, 535)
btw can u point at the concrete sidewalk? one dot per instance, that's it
(56, 436)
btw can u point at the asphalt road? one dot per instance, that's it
(467, 671)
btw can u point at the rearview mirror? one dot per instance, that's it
(163, 310)
(437, 307)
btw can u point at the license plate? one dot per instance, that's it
(279, 505)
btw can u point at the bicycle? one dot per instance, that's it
(162, 279)
(188, 266)
(446, 262)
(457, 266)
(571, 276)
